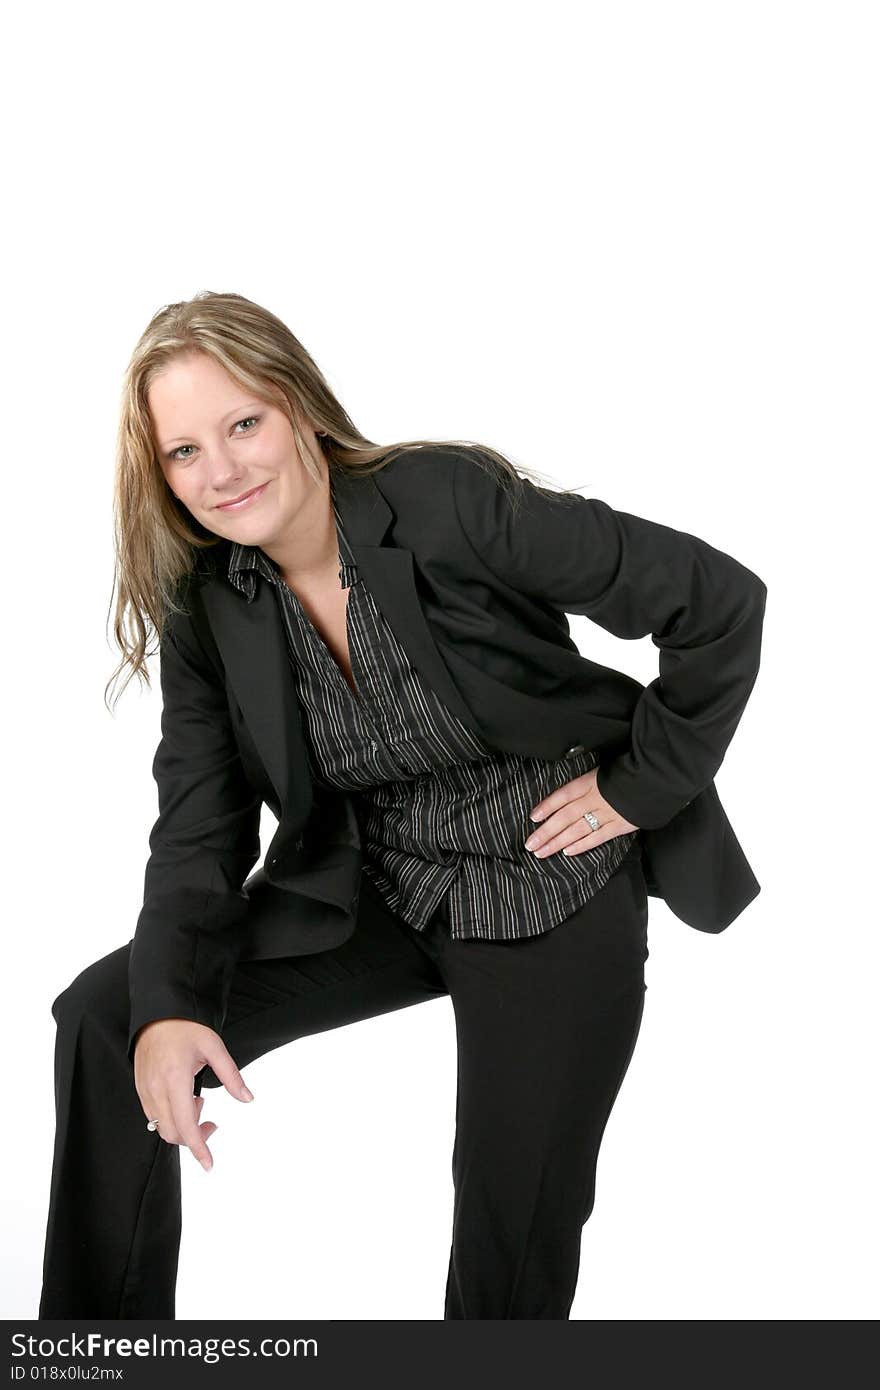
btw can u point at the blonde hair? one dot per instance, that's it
(157, 541)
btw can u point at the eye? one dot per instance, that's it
(177, 456)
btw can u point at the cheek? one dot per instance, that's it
(186, 495)
(173, 483)
(298, 485)
(183, 485)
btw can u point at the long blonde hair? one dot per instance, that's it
(157, 541)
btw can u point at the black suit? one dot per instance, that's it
(477, 594)
(545, 1025)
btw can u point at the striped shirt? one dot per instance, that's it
(442, 815)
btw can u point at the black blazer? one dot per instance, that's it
(477, 591)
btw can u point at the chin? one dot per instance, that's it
(253, 533)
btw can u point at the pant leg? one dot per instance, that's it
(114, 1222)
(546, 1029)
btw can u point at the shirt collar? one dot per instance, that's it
(246, 562)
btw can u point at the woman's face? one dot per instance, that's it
(216, 442)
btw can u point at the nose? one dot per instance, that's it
(222, 470)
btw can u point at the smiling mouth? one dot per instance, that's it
(245, 497)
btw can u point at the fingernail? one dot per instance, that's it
(207, 1166)
(245, 1093)
(537, 817)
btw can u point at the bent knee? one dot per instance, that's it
(100, 989)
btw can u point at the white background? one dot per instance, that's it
(633, 246)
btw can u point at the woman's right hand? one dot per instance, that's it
(168, 1054)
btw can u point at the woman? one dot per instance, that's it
(372, 641)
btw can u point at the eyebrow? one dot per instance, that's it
(239, 410)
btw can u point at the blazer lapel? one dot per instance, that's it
(253, 646)
(389, 574)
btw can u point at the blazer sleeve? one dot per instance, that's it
(203, 845)
(703, 610)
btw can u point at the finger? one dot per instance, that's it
(581, 846)
(226, 1071)
(550, 826)
(160, 1110)
(207, 1127)
(563, 796)
(569, 836)
(576, 832)
(550, 833)
(185, 1111)
(153, 1109)
(166, 1128)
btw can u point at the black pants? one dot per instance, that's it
(545, 1028)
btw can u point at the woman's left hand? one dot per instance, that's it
(562, 819)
